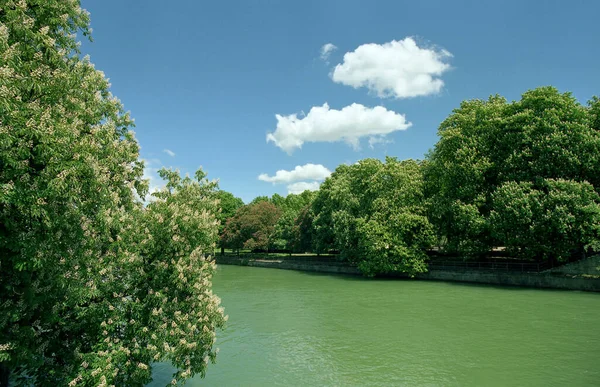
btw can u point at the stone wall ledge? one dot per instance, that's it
(544, 280)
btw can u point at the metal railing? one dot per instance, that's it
(522, 267)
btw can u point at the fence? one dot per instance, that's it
(522, 267)
(497, 265)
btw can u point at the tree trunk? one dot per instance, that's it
(222, 250)
(4, 375)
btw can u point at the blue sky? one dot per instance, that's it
(206, 79)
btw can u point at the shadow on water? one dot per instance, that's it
(403, 278)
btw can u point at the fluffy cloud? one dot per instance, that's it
(298, 188)
(399, 69)
(169, 152)
(301, 172)
(326, 50)
(316, 172)
(378, 140)
(323, 124)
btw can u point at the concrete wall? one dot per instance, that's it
(322, 267)
(586, 267)
(531, 280)
(549, 280)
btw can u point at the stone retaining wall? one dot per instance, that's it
(531, 280)
(547, 280)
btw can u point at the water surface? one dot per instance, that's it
(290, 328)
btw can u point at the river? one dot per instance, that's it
(290, 328)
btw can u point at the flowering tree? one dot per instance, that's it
(79, 255)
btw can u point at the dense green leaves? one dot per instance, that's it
(252, 226)
(551, 220)
(287, 233)
(228, 205)
(374, 213)
(488, 149)
(520, 176)
(93, 286)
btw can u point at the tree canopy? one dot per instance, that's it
(374, 213)
(252, 226)
(228, 205)
(488, 150)
(94, 286)
(520, 176)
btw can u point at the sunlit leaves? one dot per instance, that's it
(252, 226)
(486, 146)
(374, 213)
(83, 264)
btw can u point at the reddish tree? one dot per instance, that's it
(251, 227)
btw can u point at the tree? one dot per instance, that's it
(527, 216)
(397, 233)
(278, 200)
(303, 230)
(74, 240)
(229, 204)
(594, 106)
(328, 199)
(252, 227)
(290, 206)
(177, 314)
(460, 175)
(259, 199)
(376, 214)
(484, 145)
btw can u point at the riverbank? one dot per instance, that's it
(583, 275)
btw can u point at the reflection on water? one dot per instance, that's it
(290, 328)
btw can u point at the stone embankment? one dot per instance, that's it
(583, 275)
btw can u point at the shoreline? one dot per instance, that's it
(552, 279)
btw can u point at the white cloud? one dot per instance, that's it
(301, 172)
(326, 50)
(399, 69)
(323, 124)
(301, 186)
(378, 140)
(169, 152)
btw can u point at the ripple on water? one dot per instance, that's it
(299, 329)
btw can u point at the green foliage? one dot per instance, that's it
(93, 286)
(594, 111)
(252, 226)
(323, 207)
(457, 176)
(486, 144)
(377, 216)
(302, 230)
(552, 219)
(259, 199)
(228, 204)
(286, 234)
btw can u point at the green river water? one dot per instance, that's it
(290, 328)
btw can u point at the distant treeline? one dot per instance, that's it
(523, 176)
